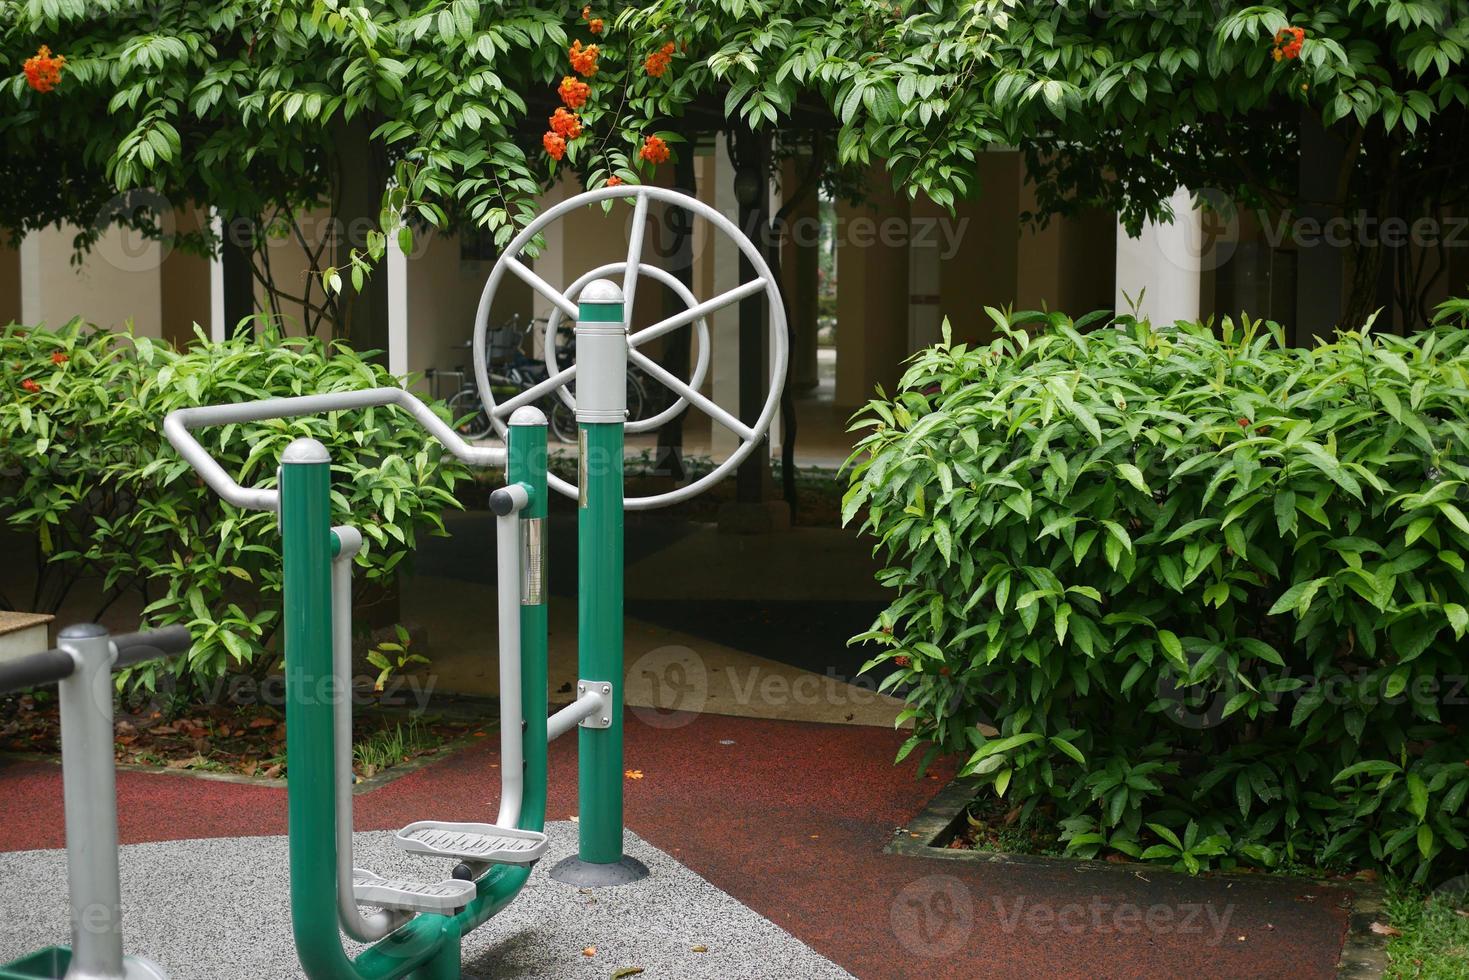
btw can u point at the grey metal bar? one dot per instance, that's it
(88, 776)
(362, 926)
(507, 591)
(178, 423)
(33, 670)
(134, 648)
(570, 716)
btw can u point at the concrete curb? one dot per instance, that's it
(1363, 955)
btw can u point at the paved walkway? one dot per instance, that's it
(789, 819)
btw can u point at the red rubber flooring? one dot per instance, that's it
(791, 818)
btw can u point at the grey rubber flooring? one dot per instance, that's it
(217, 910)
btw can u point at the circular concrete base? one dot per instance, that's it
(584, 874)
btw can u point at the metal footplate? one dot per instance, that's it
(439, 897)
(480, 842)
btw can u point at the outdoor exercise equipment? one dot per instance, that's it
(83, 666)
(604, 346)
(418, 925)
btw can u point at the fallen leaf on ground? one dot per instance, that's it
(634, 774)
(701, 949)
(589, 951)
(627, 971)
(1383, 929)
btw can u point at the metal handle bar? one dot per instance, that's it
(50, 666)
(134, 648)
(46, 667)
(178, 423)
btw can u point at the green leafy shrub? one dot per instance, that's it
(1210, 589)
(84, 463)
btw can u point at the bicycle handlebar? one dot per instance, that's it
(50, 666)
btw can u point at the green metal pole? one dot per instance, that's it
(601, 408)
(599, 637)
(526, 446)
(306, 534)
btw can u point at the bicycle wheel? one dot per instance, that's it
(468, 414)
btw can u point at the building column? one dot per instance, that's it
(1159, 271)
(872, 292)
(800, 263)
(724, 325)
(397, 289)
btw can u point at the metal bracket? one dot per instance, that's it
(602, 717)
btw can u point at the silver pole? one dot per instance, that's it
(365, 927)
(507, 503)
(90, 792)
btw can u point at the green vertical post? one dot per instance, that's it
(601, 409)
(526, 464)
(306, 543)
(599, 637)
(599, 591)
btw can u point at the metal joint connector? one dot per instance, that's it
(602, 717)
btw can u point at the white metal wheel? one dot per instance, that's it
(565, 305)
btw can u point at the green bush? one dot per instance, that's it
(83, 462)
(1210, 589)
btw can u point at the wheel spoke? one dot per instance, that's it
(540, 285)
(678, 387)
(634, 257)
(535, 391)
(742, 291)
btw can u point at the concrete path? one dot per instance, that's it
(216, 910)
(789, 819)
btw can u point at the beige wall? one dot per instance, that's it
(872, 298)
(118, 282)
(443, 293)
(290, 270)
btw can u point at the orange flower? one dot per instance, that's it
(565, 124)
(43, 71)
(654, 150)
(574, 92)
(584, 60)
(1288, 41)
(903, 661)
(30, 386)
(555, 145)
(614, 181)
(657, 62)
(595, 25)
(59, 358)
(586, 13)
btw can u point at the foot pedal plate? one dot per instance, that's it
(440, 897)
(483, 842)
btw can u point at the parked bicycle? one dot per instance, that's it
(512, 371)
